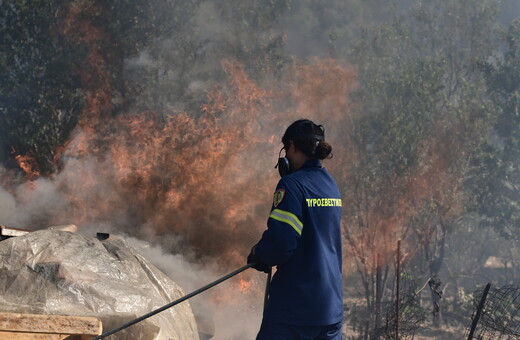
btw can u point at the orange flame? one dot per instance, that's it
(29, 165)
(244, 285)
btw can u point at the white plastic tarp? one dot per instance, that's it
(64, 273)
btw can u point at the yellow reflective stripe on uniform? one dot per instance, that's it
(287, 217)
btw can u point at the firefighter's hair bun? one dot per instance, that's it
(323, 150)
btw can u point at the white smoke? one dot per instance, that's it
(39, 200)
(44, 202)
(7, 207)
(222, 320)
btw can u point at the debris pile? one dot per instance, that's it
(54, 272)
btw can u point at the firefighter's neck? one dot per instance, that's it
(297, 157)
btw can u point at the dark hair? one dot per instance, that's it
(309, 138)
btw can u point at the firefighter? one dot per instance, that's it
(303, 241)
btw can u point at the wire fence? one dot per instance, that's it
(411, 313)
(498, 316)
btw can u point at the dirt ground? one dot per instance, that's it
(425, 332)
(446, 333)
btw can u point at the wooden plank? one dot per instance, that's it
(64, 227)
(53, 324)
(34, 336)
(10, 231)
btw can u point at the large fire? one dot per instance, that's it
(205, 177)
(198, 183)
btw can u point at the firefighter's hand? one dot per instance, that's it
(262, 267)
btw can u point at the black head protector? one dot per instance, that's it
(303, 129)
(302, 132)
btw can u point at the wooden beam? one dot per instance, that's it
(52, 324)
(35, 336)
(10, 231)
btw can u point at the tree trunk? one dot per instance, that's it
(436, 260)
(379, 297)
(436, 294)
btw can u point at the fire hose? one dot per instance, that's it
(184, 298)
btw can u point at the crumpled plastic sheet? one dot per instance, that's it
(63, 273)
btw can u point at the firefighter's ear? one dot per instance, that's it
(292, 148)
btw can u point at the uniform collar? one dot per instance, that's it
(312, 163)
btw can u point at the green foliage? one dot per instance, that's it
(41, 67)
(59, 58)
(495, 180)
(410, 77)
(39, 92)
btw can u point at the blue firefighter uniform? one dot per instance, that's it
(303, 240)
